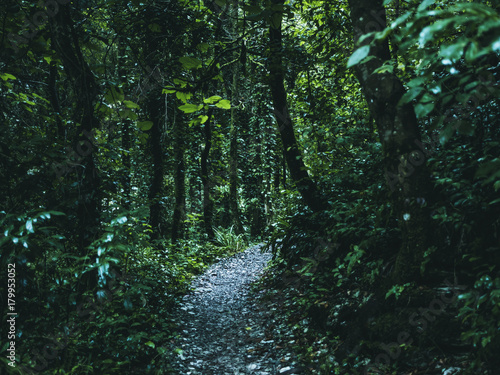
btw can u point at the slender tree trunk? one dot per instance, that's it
(233, 135)
(156, 188)
(155, 107)
(233, 158)
(54, 100)
(208, 203)
(125, 135)
(179, 176)
(399, 134)
(85, 89)
(298, 171)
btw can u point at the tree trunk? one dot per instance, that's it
(208, 203)
(179, 176)
(399, 134)
(125, 135)
(298, 171)
(156, 193)
(86, 90)
(233, 134)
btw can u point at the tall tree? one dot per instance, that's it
(399, 133)
(85, 88)
(179, 215)
(298, 170)
(235, 70)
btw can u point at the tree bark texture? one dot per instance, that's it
(179, 176)
(86, 90)
(399, 134)
(208, 203)
(298, 171)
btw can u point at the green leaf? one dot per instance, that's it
(154, 27)
(358, 55)
(183, 96)
(29, 226)
(425, 4)
(411, 94)
(131, 104)
(114, 95)
(120, 220)
(224, 104)
(428, 33)
(453, 51)
(169, 90)
(145, 125)
(203, 119)
(190, 62)
(423, 109)
(128, 114)
(7, 76)
(384, 68)
(151, 344)
(203, 47)
(212, 99)
(252, 9)
(446, 133)
(190, 108)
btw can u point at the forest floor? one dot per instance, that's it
(226, 327)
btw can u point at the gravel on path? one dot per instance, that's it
(224, 330)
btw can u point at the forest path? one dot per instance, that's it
(224, 329)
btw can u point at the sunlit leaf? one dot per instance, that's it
(224, 104)
(190, 108)
(358, 55)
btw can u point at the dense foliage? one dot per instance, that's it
(143, 140)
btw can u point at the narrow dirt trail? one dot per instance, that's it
(224, 330)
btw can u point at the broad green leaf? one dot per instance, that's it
(446, 133)
(145, 125)
(128, 114)
(212, 99)
(190, 108)
(203, 47)
(453, 51)
(224, 104)
(358, 55)
(151, 344)
(411, 94)
(425, 4)
(183, 96)
(384, 68)
(190, 62)
(203, 119)
(7, 76)
(428, 33)
(131, 104)
(423, 109)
